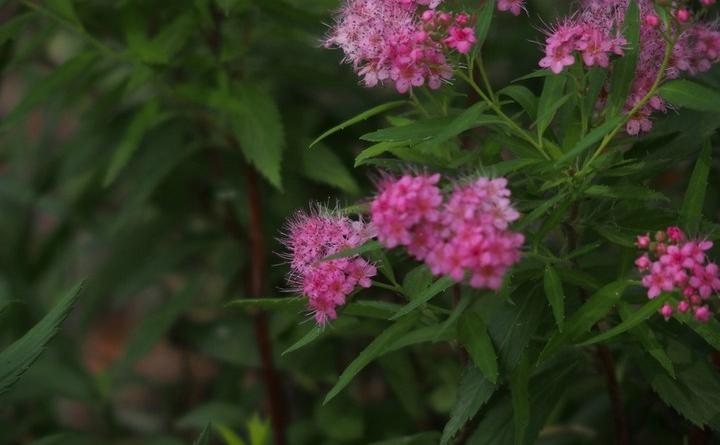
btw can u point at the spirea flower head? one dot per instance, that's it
(403, 42)
(592, 37)
(464, 234)
(671, 262)
(311, 237)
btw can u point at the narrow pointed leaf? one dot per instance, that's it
(473, 333)
(691, 211)
(441, 285)
(520, 394)
(634, 319)
(623, 69)
(359, 118)
(555, 295)
(692, 95)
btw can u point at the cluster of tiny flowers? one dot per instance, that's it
(326, 284)
(515, 7)
(592, 33)
(670, 262)
(403, 42)
(462, 235)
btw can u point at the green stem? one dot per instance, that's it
(638, 106)
(417, 104)
(387, 286)
(498, 111)
(485, 78)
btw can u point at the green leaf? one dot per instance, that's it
(152, 328)
(11, 29)
(323, 165)
(645, 335)
(623, 69)
(688, 94)
(550, 100)
(259, 430)
(424, 438)
(595, 135)
(416, 281)
(472, 333)
(632, 320)
(709, 331)
(228, 435)
(144, 120)
(258, 126)
(474, 392)
(399, 371)
(520, 393)
(633, 192)
(457, 311)
(595, 82)
(555, 295)
(369, 246)
(20, 355)
(524, 97)
(415, 132)
(64, 8)
(57, 80)
(467, 120)
(596, 307)
(381, 310)
(439, 286)
(205, 435)
(425, 334)
(376, 150)
(374, 350)
(691, 211)
(359, 118)
(484, 20)
(270, 304)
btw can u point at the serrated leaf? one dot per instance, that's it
(143, 120)
(473, 333)
(359, 118)
(555, 295)
(550, 100)
(323, 165)
(413, 132)
(520, 395)
(691, 211)
(474, 392)
(205, 435)
(709, 331)
(20, 355)
(524, 97)
(632, 320)
(692, 95)
(439, 286)
(374, 350)
(623, 69)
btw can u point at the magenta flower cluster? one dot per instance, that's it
(462, 235)
(403, 42)
(671, 262)
(326, 284)
(515, 7)
(593, 34)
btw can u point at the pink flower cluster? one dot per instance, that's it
(592, 33)
(465, 234)
(515, 7)
(671, 262)
(326, 284)
(404, 42)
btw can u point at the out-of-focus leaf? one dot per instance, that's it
(56, 81)
(294, 304)
(472, 332)
(20, 355)
(228, 435)
(416, 281)
(144, 120)
(689, 94)
(322, 165)
(425, 438)
(484, 20)
(400, 374)
(371, 352)
(359, 118)
(10, 29)
(709, 331)
(625, 192)
(64, 8)
(259, 430)
(474, 392)
(645, 335)
(691, 211)
(633, 319)
(520, 395)
(220, 412)
(555, 295)
(439, 286)
(623, 69)
(205, 435)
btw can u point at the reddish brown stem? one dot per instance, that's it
(258, 265)
(618, 412)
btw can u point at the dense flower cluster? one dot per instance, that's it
(593, 34)
(672, 262)
(464, 235)
(326, 284)
(404, 42)
(515, 7)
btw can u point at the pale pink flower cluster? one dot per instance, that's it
(592, 33)
(515, 7)
(403, 42)
(670, 263)
(326, 284)
(462, 235)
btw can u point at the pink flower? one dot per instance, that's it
(702, 313)
(643, 241)
(516, 7)
(462, 39)
(666, 311)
